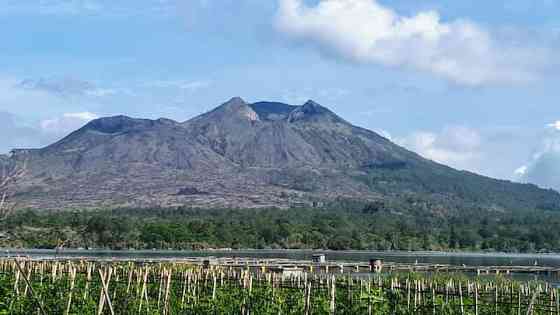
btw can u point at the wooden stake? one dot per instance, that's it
(461, 299)
(308, 299)
(533, 299)
(166, 298)
(31, 289)
(105, 290)
(144, 293)
(72, 279)
(476, 298)
(186, 276)
(496, 299)
(161, 275)
(88, 280)
(214, 287)
(333, 294)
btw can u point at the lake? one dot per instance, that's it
(471, 259)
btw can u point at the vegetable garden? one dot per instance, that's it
(87, 287)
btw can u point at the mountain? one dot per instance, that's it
(265, 154)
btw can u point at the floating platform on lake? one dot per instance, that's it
(268, 264)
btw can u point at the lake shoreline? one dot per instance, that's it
(446, 258)
(252, 250)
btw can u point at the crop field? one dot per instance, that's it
(87, 287)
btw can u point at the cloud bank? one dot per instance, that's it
(68, 122)
(365, 31)
(544, 167)
(456, 146)
(496, 151)
(66, 87)
(16, 133)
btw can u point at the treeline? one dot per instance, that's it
(365, 228)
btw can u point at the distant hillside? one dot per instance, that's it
(244, 155)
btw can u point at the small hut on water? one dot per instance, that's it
(319, 258)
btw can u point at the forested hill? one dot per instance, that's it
(360, 228)
(242, 155)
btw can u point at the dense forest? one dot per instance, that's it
(368, 226)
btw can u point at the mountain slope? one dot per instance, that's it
(250, 155)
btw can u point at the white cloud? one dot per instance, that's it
(368, 32)
(69, 87)
(66, 123)
(495, 151)
(456, 146)
(544, 166)
(66, 87)
(191, 86)
(59, 86)
(521, 171)
(194, 86)
(101, 92)
(16, 132)
(27, 102)
(555, 125)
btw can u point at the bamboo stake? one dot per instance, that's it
(551, 301)
(496, 300)
(476, 298)
(557, 302)
(308, 298)
(519, 300)
(186, 276)
(31, 289)
(370, 305)
(214, 287)
(433, 301)
(144, 292)
(166, 296)
(461, 297)
(88, 280)
(29, 267)
(415, 295)
(333, 294)
(16, 283)
(161, 275)
(129, 281)
(533, 299)
(407, 294)
(73, 278)
(101, 303)
(105, 290)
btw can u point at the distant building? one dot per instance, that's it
(319, 258)
(318, 204)
(299, 205)
(288, 272)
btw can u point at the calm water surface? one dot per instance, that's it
(469, 259)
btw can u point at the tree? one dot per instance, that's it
(453, 238)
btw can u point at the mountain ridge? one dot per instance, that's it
(264, 154)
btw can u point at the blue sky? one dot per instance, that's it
(472, 84)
